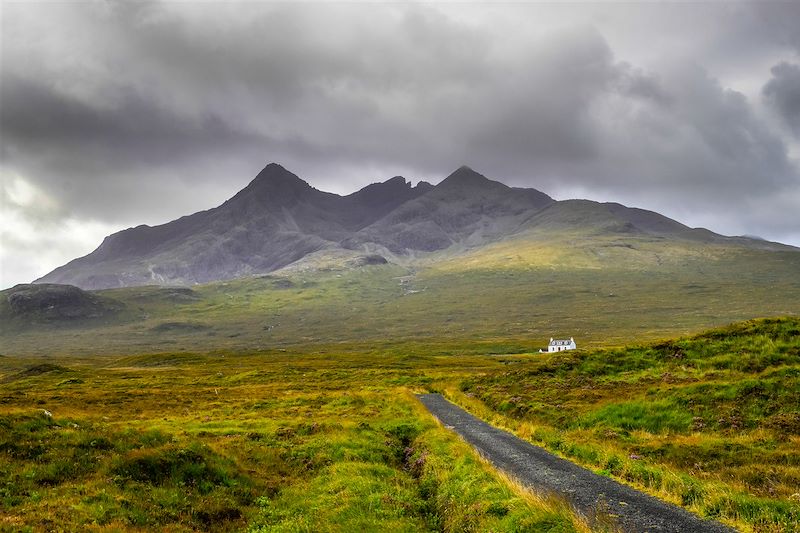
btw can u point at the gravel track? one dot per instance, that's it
(545, 473)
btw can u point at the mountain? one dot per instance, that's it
(279, 219)
(465, 209)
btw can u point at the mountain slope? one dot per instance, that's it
(465, 208)
(613, 219)
(279, 219)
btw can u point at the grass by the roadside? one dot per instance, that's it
(255, 379)
(711, 422)
(270, 442)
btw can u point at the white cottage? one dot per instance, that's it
(558, 345)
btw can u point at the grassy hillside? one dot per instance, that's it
(711, 421)
(273, 442)
(256, 403)
(507, 297)
(334, 441)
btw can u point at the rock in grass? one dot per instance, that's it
(50, 302)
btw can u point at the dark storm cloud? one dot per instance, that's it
(774, 22)
(87, 154)
(782, 93)
(136, 130)
(123, 113)
(172, 90)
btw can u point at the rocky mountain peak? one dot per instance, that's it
(279, 219)
(275, 175)
(382, 191)
(464, 177)
(274, 185)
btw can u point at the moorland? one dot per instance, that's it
(293, 440)
(284, 400)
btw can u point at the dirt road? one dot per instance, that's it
(546, 473)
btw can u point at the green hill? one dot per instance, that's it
(603, 289)
(279, 220)
(711, 421)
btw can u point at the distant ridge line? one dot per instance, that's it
(279, 219)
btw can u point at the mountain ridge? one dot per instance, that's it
(278, 219)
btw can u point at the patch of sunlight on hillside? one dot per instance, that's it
(581, 251)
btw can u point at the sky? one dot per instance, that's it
(117, 114)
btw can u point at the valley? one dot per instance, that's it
(330, 437)
(508, 297)
(283, 398)
(298, 267)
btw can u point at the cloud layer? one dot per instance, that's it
(128, 113)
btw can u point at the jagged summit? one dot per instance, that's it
(464, 176)
(278, 219)
(275, 173)
(465, 172)
(381, 192)
(275, 184)
(397, 183)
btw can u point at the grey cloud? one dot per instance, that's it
(135, 130)
(87, 155)
(293, 92)
(782, 93)
(705, 152)
(140, 112)
(637, 84)
(776, 22)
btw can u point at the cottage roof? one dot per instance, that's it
(561, 342)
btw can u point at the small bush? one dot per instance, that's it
(191, 467)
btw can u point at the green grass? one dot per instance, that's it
(258, 403)
(711, 421)
(510, 297)
(267, 442)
